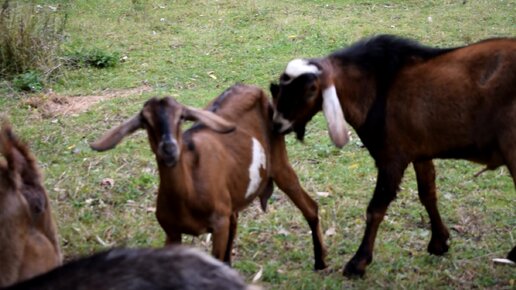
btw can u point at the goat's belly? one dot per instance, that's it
(488, 156)
(183, 223)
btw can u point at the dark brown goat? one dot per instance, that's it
(408, 104)
(216, 168)
(134, 269)
(28, 237)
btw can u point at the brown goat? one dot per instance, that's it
(408, 104)
(135, 269)
(28, 237)
(215, 169)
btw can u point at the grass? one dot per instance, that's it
(193, 50)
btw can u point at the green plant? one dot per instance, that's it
(91, 57)
(30, 38)
(29, 81)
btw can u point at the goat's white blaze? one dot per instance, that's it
(279, 119)
(299, 66)
(258, 161)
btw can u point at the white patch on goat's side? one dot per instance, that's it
(299, 66)
(257, 162)
(279, 119)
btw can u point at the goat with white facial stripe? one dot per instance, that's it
(408, 103)
(216, 168)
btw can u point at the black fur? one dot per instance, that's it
(382, 56)
(132, 269)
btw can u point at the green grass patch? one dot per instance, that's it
(193, 50)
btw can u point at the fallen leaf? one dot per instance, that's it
(323, 193)
(504, 261)
(212, 75)
(103, 243)
(107, 182)
(284, 232)
(258, 275)
(330, 232)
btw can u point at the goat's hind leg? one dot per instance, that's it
(288, 182)
(285, 177)
(511, 164)
(425, 175)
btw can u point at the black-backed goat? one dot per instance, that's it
(408, 104)
(135, 269)
(215, 169)
(28, 236)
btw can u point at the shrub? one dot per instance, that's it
(30, 39)
(28, 81)
(93, 57)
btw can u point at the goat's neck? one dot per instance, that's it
(356, 92)
(177, 180)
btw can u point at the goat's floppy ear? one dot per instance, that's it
(8, 151)
(211, 120)
(337, 127)
(274, 88)
(115, 135)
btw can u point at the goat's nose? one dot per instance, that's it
(168, 147)
(276, 127)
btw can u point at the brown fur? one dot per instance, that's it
(204, 174)
(28, 239)
(411, 104)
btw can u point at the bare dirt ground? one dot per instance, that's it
(52, 105)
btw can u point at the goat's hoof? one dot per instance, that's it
(320, 265)
(354, 269)
(512, 255)
(438, 248)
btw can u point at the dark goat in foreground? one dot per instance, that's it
(28, 236)
(408, 104)
(215, 169)
(174, 268)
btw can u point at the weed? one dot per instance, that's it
(96, 57)
(30, 39)
(29, 81)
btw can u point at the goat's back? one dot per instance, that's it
(457, 105)
(166, 268)
(242, 157)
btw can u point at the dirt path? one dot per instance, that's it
(56, 105)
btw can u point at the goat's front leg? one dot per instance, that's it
(220, 232)
(233, 223)
(425, 175)
(387, 184)
(173, 238)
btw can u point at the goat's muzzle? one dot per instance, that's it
(280, 124)
(168, 152)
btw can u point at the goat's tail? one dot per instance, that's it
(266, 194)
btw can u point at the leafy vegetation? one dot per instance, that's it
(30, 41)
(193, 50)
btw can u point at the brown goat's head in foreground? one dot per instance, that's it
(303, 89)
(28, 237)
(162, 118)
